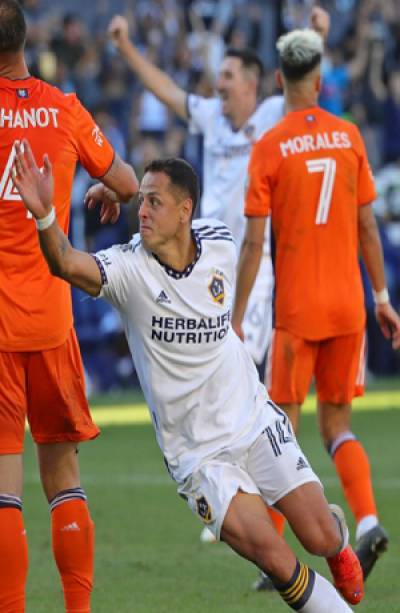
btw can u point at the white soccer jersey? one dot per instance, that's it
(198, 379)
(225, 162)
(226, 156)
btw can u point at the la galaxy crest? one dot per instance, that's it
(216, 287)
(204, 510)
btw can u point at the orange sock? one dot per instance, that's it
(352, 466)
(13, 558)
(73, 548)
(278, 520)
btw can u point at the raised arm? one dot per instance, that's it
(249, 263)
(371, 250)
(154, 79)
(36, 189)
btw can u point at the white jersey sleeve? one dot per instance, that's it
(201, 112)
(117, 268)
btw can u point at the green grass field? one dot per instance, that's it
(148, 555)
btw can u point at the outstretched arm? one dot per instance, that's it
(371, 249)
(36, 189)
(154, 79)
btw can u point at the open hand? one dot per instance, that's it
(389, 323)
(110, 207)
(35, 186)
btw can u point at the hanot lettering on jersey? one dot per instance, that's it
(216, 289)
(29, 118)
(97, 136)
(204, 510)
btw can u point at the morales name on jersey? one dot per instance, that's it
(315, 142)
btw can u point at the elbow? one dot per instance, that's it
(57, 269)
(254, 248)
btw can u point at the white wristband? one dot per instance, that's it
(45, 222)
(381, 297)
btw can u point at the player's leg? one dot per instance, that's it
(59, 418)
(72, 526)
(226, 498)
(13, 543)
(344, 357)
(247, 529)
(286, 481)
(289, 370)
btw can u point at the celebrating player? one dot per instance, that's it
(41, 374)
(230, 124)
(228, 447)
(311, 175)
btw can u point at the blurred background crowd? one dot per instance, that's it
(68, 47)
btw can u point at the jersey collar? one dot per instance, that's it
(17, 83)
(180, 274)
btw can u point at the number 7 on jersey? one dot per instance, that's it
(328, 167)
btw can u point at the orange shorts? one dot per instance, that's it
(47, 388)
(338, 365)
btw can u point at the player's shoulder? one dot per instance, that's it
(201, 103)
(57, 95)
(211, 230)
(272, 105)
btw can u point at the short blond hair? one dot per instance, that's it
(300, 51)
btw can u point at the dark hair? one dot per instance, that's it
(295, 72)
(12, 26)
(248, 57)
(181, 175)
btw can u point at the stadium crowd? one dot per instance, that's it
(69, 48)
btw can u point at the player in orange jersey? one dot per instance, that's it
(311, 174)
(41, 375)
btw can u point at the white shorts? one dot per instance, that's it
(257, 322)
(272, 467)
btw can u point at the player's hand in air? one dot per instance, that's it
(389, 323)
(118, 30)
(110, 206)
(36, 186)
(320, 21)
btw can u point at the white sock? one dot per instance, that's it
(324, 599)
(365, 524)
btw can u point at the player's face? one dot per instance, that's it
(232, 85)
(159, 211)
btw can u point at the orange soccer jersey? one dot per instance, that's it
(35, 308)
(311, 174)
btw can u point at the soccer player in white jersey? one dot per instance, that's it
(230, 450)
(230, 123)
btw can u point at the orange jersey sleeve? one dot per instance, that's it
(94, 151)
(35, 307)
(311, 174)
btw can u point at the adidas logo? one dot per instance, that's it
(301, 463)
(71, 527)
(163, 298)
